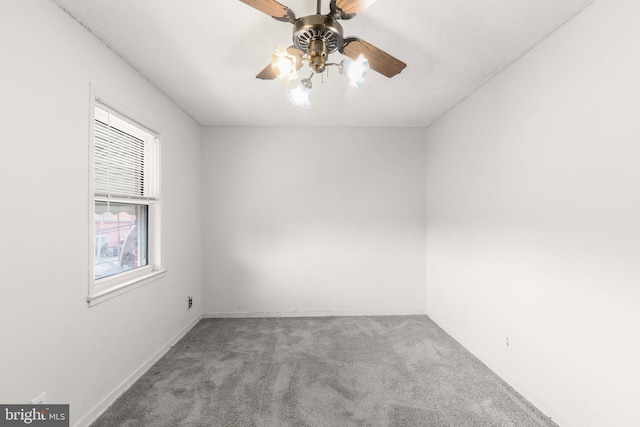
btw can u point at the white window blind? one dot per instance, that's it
(126, 157)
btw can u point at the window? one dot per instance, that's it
(125, 229)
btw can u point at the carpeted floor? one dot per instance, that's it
(322, 371)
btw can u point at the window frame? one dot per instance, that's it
(103, 289)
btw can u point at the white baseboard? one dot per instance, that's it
(97, 410)
(539, 403)
(328, 313)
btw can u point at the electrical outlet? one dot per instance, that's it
(508, 343)
(189, 302)
(40, 400)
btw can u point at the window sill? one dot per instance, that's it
(124, 287)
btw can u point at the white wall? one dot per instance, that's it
(533, 220)
(51, 340)
(313, 221)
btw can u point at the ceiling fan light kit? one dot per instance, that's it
(300, 95)
(317, 36)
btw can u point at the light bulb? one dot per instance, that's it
(356, 70)
(300, 95)
(284, 64)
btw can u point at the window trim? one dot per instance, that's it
(103, 289)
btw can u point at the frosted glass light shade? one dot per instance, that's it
(356, 70)
(300, 96)
(284, 64)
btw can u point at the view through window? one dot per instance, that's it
(120, 238)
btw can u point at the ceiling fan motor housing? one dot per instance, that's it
(318, 35)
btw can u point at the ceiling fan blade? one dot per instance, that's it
(379, 60)
(296, 52)
(268, 72)
(351, 7)
(273, 8)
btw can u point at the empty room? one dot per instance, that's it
(320, 213)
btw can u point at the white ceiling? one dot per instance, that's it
(204, 54)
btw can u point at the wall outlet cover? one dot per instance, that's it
(508, 343)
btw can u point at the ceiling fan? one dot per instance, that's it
(317, 36)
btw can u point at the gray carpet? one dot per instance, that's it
(327, 371)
